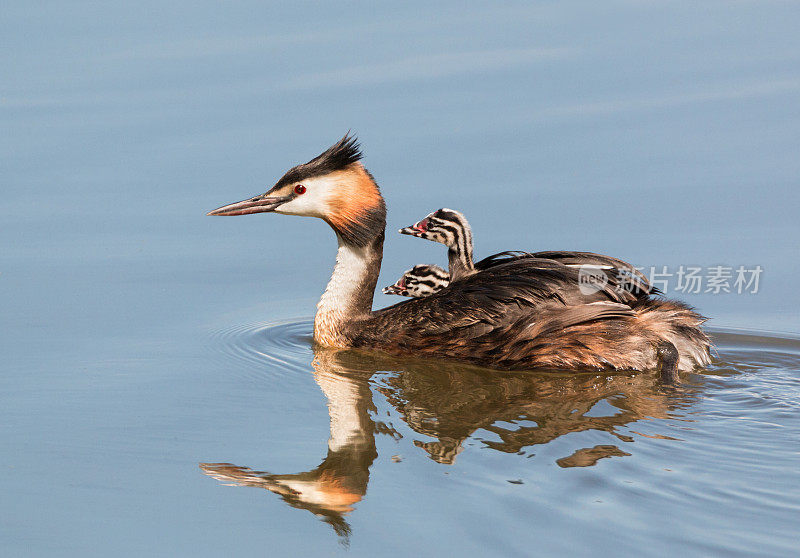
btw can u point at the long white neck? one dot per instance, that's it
(348, 295)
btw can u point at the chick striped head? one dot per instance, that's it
(420, 281)
(446, 226)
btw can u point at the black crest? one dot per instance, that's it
(344, 152)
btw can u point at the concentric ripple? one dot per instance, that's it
(280, 348)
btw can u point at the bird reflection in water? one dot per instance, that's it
(448, 402)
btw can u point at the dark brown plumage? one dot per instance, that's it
(530, 313)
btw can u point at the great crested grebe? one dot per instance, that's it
(420, 281)
(525, 313)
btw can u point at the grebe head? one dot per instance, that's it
(333, 186)
(446, 226)
(420, 281)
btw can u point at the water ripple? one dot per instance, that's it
(281, 348)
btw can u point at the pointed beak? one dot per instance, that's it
(258, 204)
(398, 288)
(416, 229)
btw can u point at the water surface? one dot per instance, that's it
(708, 466)
(140, 339)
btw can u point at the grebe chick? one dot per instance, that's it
(520, 314)
(451, 228)
(420, 281)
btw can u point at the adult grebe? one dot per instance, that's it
(419, 281)
(526, 313)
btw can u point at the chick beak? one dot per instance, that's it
(396, 289)
(416, 229)
(258, 204)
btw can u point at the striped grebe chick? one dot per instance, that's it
(524, 313)
(420, 281)
(452, 229)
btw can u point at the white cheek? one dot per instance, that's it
(312, 203)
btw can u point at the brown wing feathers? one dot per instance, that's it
(521, 294)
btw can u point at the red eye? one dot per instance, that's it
(299, 189)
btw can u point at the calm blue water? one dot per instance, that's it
(141, 339)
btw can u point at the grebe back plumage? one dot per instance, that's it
(451, 228)
(525, 313)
